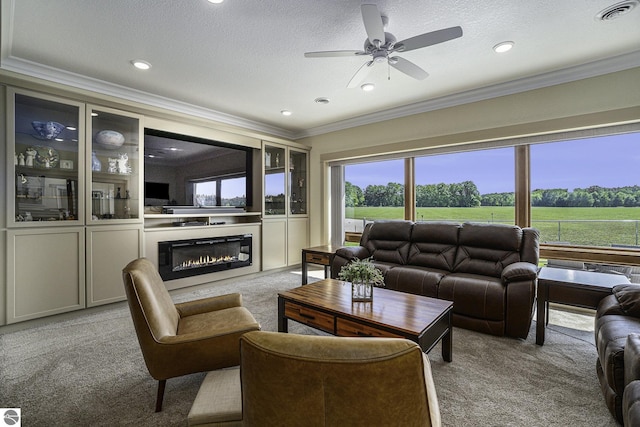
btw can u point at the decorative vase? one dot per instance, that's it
(361, 292)
(96, 166)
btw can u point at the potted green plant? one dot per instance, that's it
(363, 276)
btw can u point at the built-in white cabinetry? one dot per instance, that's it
(45, 272)
(285, 225)
(274, 243)
(109, 249)
(73, 174)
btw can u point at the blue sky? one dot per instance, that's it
(612, 161)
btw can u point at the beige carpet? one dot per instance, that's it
(89, 371)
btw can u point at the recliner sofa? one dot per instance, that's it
(489, 271)
(617, 320)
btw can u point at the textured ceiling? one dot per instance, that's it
(243, 61)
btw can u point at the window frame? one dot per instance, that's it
(599, 254)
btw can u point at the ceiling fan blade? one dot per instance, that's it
(360, 74)
(373, 23)
(408, 67)
(334, 53)
(428, 39)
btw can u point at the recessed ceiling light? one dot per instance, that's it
(286, 112)
(140, 64)
(215, 1)
(503, 47)
(368, 87)
(321, 100)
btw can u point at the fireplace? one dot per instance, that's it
(185, 258)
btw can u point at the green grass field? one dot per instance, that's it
(576, 226)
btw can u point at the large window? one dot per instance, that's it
(373, 191)
(581, 190)
(468, 186)
(587, 191)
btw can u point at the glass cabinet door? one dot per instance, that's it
(298, 182)
(274, 180)
(114, 165)
(47, 160)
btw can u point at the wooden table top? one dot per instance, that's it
(325, 249)
(403, 311)
(581, 278)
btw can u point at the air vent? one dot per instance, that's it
(616, 11)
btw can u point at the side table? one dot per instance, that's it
(577, 288)
(321, 255)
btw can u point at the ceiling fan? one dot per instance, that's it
(380, 45)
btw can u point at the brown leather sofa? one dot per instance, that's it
(631, 396)
(617, 318)
(489, 271)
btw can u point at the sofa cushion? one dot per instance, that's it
(434, 245)
(388, 241)
(473, 295)
(415, 280)
(486, 249)
(628, 297)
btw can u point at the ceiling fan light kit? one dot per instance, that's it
(379, 45)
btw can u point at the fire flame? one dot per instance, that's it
(203, 261)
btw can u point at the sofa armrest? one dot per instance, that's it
(206, 305)
(344, 256)
(628, 297)
(352, 252)
(519, 271)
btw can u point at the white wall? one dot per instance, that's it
(585, 103)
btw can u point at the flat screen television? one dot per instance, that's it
(156, 190)
(185, 170)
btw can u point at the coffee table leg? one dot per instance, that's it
(283, 325)
(447, 346)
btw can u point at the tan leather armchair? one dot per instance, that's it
(185, 338)
(294, 380)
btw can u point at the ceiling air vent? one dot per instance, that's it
(616, 10)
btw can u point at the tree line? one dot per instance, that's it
(466, 194)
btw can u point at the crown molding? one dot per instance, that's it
(565, 75)
(78, 81)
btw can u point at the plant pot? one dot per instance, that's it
(361, 292)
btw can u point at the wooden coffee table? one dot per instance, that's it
(326, 305)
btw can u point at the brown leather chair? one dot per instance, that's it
(185, 338)
(294, 380)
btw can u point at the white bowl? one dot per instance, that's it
(110, 139)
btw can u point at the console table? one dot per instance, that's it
(321, 255)
(577, 288)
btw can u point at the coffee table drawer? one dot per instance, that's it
(347, 328)
(322, 259)
(309, 316)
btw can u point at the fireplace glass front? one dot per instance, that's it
(185, 258)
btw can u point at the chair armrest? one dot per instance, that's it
(519, 271)
(205, 305)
